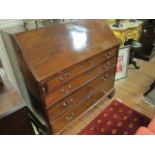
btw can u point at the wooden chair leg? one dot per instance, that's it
(111, 95)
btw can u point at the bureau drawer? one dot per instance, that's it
(61, 78)
(98, 93)
(81, 80)
(59, 108)
(68, 117)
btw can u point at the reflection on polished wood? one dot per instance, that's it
(67, 42)
(130, 90)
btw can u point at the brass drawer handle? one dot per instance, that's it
(70, 117)
(105, 77)
(64, 104)
(71, 99)
(109, 54)
(67, 103)
(65, 75)
(62, 90)
(106, 65)
(67, 91)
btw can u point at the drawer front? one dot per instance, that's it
(59, 108)
(81, 80)
(76, 70)
(99, 92)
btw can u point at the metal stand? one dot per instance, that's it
(150, 89)
(132, 61)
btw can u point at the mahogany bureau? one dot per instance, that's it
(68, 68)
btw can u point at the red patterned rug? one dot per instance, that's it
(116, 119)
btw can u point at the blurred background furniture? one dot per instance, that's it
(14, 118)
(128, 32)
(135, 46)
(44, 22)
(149, 95)
(152, 86)
(148, 40)
(150, 130)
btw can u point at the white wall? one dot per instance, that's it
(6, 23)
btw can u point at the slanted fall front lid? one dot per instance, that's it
(50, 50)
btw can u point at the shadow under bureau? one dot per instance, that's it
(68, 68)
(14, 118)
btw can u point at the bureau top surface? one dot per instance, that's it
(50, 50)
